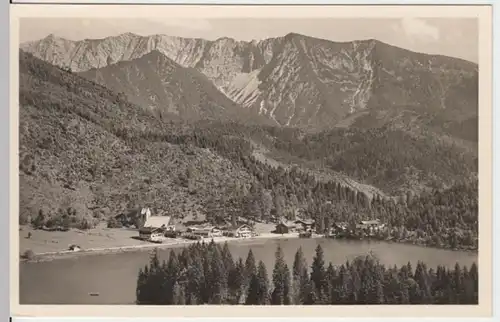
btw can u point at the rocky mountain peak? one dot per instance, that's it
(294, 80)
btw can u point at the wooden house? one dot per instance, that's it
(151, 233)
(369, 224)
(243, 231)
(369, 227)
(285, 227)
(205, 231)
(339, 229)
(306, 225)
(155, 227)
(164, 222)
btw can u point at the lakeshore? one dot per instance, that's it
(50, 245)
(70, 279)
(47, 246)
(168, 243)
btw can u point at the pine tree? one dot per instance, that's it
(172, 276)
(195, 282)
(473, 275)
(263, 283)
(236, 280)
(310, 297)
(206, 254)
(227, 258)
(457, 283)
(40, 220)
(287, 285)
(258, 290)
(141, 292)
(179, 296)
(332, 284)
(404, 294)
(281, 280)
(253, 293)
(414, 292)
(217, 278)
(151, 284)
(423, 280)
(318, 274)
(300, 277)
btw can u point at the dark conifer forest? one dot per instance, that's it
(206, 273)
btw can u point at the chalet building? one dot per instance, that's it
(340, 227)
(155, 227)
(164, 222)
(370, 224)
(151, 233)
(285, 227)
(243, 231)
(205, 231)
(369, 227)
(306, 225)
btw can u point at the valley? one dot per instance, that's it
(333, 161)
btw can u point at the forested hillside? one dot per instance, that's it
(86, 154)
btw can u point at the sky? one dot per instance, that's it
(456, 37)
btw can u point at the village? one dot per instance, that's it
(144, 227)
(158, 228)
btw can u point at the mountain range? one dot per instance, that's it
(295, 80)
(109, 122)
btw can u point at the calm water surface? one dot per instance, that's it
(114, 276)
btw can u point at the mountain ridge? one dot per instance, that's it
(294, 80)
(27, 43)
(157, 82)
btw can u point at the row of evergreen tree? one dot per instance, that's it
(328, 201)
(206, 273)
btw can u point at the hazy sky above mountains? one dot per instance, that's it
(454, 37)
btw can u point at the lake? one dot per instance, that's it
(114, 276)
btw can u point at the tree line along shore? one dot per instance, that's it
(206, 273)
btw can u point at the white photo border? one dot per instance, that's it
(9, 166)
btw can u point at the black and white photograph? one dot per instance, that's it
(249, 160)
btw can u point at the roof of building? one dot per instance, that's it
(370, 222)
(157, 221)
(305, 222)
(149, 230)
(242, 226)
(287, 223)
(201, 227)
